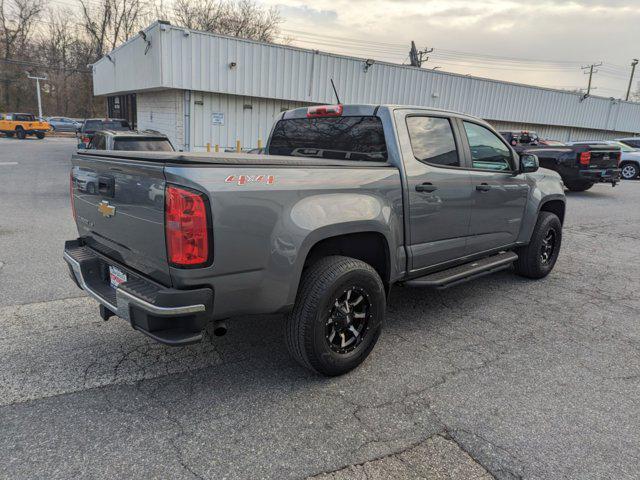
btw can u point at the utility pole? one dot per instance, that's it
(590, 73)
(418, 57)
(633, 70)
(37, 79)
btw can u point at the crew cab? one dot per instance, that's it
(23, 124)
(346, 202)
(580, 165)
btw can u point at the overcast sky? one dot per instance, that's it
(542, 43)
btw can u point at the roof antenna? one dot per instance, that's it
(335, 91)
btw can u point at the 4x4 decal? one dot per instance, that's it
(244, 179)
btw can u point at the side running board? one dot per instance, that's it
(464, 273)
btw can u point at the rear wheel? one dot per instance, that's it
(579, 187)
(338, 315)
(629, 170)
(537, 259)
(20, 133)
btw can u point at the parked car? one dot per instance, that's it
(581, 165)
(92, 125)
(22, 124)
(629, 159)
(633, 142)
(128, 140)
(64, 124)
(348, 201)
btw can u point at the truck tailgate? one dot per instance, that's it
(604, 156)
(119, 207)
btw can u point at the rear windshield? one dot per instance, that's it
(93, 125)
(339, 138)
(143, 144)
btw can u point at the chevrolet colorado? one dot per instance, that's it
(347, 201)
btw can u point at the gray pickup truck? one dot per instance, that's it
(348, 201)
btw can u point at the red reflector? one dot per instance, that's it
(73, 205)
(585, 158)
(186, 227)
(324, 111)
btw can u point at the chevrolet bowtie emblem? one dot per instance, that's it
(106, 210)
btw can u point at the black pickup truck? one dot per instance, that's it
(580, 166)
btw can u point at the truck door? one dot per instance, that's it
(438, 188)
(499, 194)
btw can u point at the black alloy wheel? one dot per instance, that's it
(348, 320)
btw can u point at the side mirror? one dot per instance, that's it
(529, 163)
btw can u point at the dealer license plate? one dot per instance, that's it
(116, 276)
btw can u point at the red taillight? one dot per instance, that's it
(186, 228)
(324, 111)
(585, 158)
(73, 204)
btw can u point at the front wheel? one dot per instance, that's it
(629, 171)
(40, 135)
(20, 133)
(337, 317)
(537, 259)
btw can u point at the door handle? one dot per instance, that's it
(426, 187)
(483, 187)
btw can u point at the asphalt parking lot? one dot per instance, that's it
(501, 377)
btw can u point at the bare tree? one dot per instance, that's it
(108, 23)
(17, 22)
(243, 18)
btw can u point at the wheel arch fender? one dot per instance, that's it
(540, 200)
(368, 241)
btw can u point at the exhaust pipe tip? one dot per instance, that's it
(219, 328)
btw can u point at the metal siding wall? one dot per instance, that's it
(246, 125)
(200, 62)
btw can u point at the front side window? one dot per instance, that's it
(432, 141)
(24, 118)
(488, 152)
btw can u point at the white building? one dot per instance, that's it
(200, 88)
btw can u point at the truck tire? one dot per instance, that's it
(537, 259)
(337, 317)
(579, 187)
(40, 135)
(629, 170)
(20, 133)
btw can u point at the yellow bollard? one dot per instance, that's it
(238, 149)
(217, 148)
(208, 147)
(259, 143)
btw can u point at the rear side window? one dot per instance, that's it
(24, 118)
(339, 138)
(143, 144)
(432, 141)
(488, 152)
